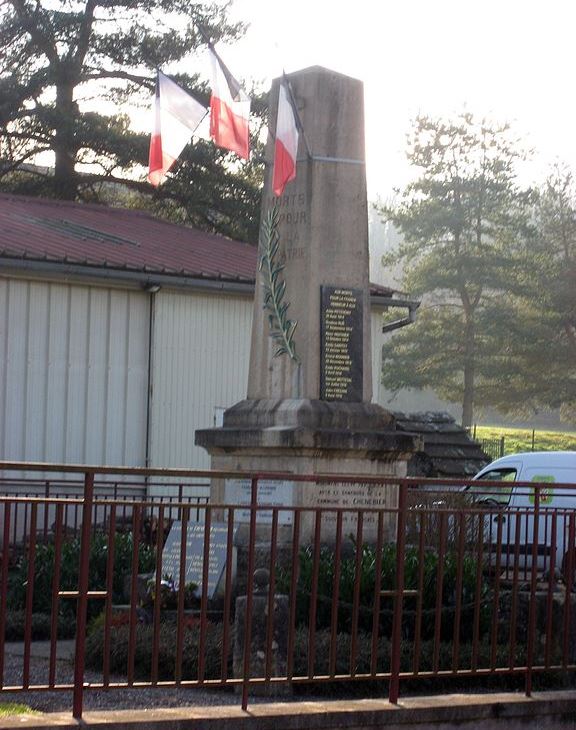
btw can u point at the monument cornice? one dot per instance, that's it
(308, 442)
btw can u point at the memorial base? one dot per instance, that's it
(306, 437)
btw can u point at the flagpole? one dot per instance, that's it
(203, 33)
(210, 45)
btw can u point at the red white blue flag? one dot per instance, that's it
(229, 109)
(176, 117)
(286, 143)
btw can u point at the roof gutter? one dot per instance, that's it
(409, 304)
(147, 280)
(142, 279)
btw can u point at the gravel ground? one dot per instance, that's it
(114, 699)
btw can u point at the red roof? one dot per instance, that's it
(117, 239)
(54, 231)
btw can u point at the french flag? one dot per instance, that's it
(176, 117)
(229, 109)
(286, 143)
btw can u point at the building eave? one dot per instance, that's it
(100, 276)
(121, 277)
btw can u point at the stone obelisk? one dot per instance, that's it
(310, 413)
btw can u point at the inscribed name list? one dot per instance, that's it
(195, 555)
(372, 499)
(341, 374)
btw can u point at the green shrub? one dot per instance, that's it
(69, 563)
(363, 656)
(321, 664)
(41, 626)
(367, 582)
(167, 651)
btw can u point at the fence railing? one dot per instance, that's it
(422, 581)
(495, 448)
(524, 440)
(49, 492)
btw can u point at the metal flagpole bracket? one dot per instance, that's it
(340, 160)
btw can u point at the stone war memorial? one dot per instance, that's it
(308, 408)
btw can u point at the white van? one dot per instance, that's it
(513, 507)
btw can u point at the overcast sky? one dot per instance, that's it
(510, 60)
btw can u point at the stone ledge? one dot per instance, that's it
(477, 712)
(363, 444)
(308, 413)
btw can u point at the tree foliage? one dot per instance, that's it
(67, 70)
(543, 318)
(463, 221)
(557, 264)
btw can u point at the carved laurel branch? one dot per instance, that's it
(281, 328)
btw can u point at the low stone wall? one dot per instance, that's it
(477, 712)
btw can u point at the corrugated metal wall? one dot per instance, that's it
(200, 354)
(73, 373)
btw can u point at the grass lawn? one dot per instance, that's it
(13, 708)
(519, 439)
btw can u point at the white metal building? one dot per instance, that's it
(120, 335)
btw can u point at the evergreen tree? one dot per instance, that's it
(463, 221)
(542, 321)
(66, 69)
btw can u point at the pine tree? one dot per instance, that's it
(542, 322)
(67, 68)
(463, 221)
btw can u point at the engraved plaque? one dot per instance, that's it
(195, 555)
(270, 492)
(341, 374)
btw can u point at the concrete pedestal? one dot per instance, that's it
(308, 437)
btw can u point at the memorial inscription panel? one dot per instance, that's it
(341, 344)
(273, 493)
(195, 555)
(372, 500)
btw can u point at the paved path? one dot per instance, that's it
(41, 649)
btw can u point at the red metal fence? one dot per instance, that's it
(436, 585)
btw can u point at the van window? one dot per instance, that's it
(498, 494)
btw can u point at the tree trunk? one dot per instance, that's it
(65, 143)
(469, 373)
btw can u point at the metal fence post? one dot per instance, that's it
(82, 606)
(530, 650)
(4, 585)
(46, 508)
(396, 647)
(249, 591)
